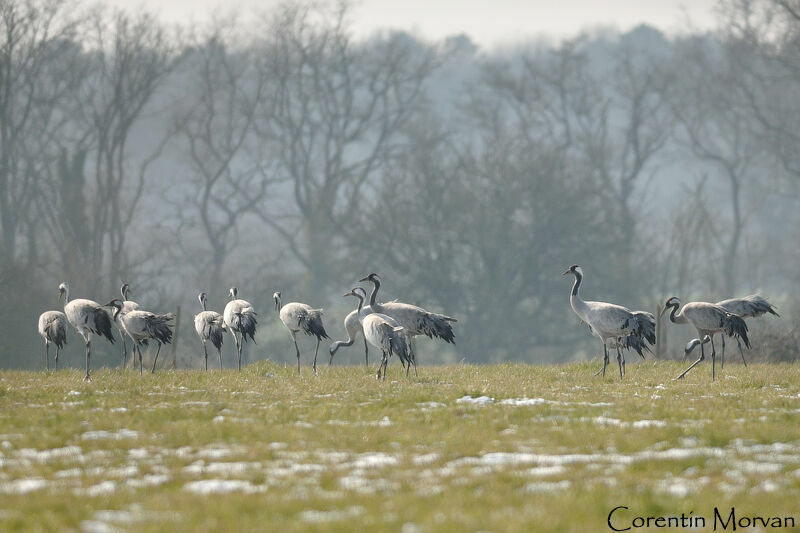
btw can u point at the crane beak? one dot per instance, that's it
(662, 312)
(364, 279)
(567, 271)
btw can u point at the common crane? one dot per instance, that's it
(88, 317)
(707, 319)
(415, 320)
(746, 307)
(296, 317)
(353, 327)
(141, 326)
(609, 322)
(239, 317)
(127, 305)
(53, 329)
(210, 327)
(383, 332)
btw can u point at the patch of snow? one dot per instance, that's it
(220, 468)
(222, 486)
(523, 402)
(115, 435)
(373, 460)
(149, 480)
(649, 424)
(101, 489)
(96, 526)
(336, 515)
(480, 400)
(425, 459)
(43, 456)
(23, 486)
(547, 486)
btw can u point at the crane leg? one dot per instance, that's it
(47, 355)
(366, 352)
(385, 364)
(153, 370)
(205, 352)
(297, 350)
(380, 366)
(713, 357)
(605, 358)
(124, 351)
(413, 360)
(87, 378)
(58, 350)
(722, 357)
(740, 351)
(619, 361)
(315, 356)
(219, 353)
(139, 349)
(238, 349)
(702, 356)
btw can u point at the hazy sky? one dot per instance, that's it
(488, 22)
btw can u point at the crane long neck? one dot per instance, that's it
(577, 303)
(360, 302)
(66, 295)
(203, 303)
(376, 285)
(677, 318)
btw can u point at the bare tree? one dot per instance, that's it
(335, 121)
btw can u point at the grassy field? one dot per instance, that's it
(461, 448)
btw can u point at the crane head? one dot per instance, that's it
(374, 278)
(672, 302)
(125, 290)
(232, 293)
(116, 303)
(201, 297)
(358, 292)
(574, 269)
(277, 297)
(62, 290)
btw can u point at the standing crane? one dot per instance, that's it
(384, 333)
(141, 326)
(53, 328)
(88, 317)
(747, 307)
(353, 327)
(708, 319)
(210, 327)
(611, 323)
(127, 305)
(415, 320)
(296, 317)
(638, 340)
(239, 317)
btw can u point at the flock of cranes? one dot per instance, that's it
(619, 327)
(389, 326)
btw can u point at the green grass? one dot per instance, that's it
(340, 449)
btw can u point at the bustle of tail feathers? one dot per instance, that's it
(397, 343)
(646, 326)
(215, 331)
(56, 334)
(102, 325)
(312, 324)
(636, 343)
(735, 326)
(760, 305)
(247, 325)
(160, 327)
(438, 326)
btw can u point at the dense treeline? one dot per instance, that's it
(298, 158)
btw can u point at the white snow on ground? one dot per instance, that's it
(547, 486)
(649, 424)
(200, 467)
(43, 456)
(480, 400)
(518, 402)
(316, 517)
(222, 486)
(23, 486)
(112, 435)
(150, 480)
(100, 489)
(96, 526)
(372, 460)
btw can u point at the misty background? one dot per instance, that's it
(278, 151)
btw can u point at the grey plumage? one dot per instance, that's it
(240, 317)
(127, 305)
(708, 319)
(298, 316)
(613, 324)
(89, 318)
(143, 325)
(209, 326)
(53, 329)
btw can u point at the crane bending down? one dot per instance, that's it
(127, 305)
(209, 326)
(708, 319)
(301, 317)
(415, 320)
(143, 325)
(747, 307)
(609, 322)
(53, 329)
(353, 327)
(383, 332)
(638, 340)
(88, 317)
(239, 317)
